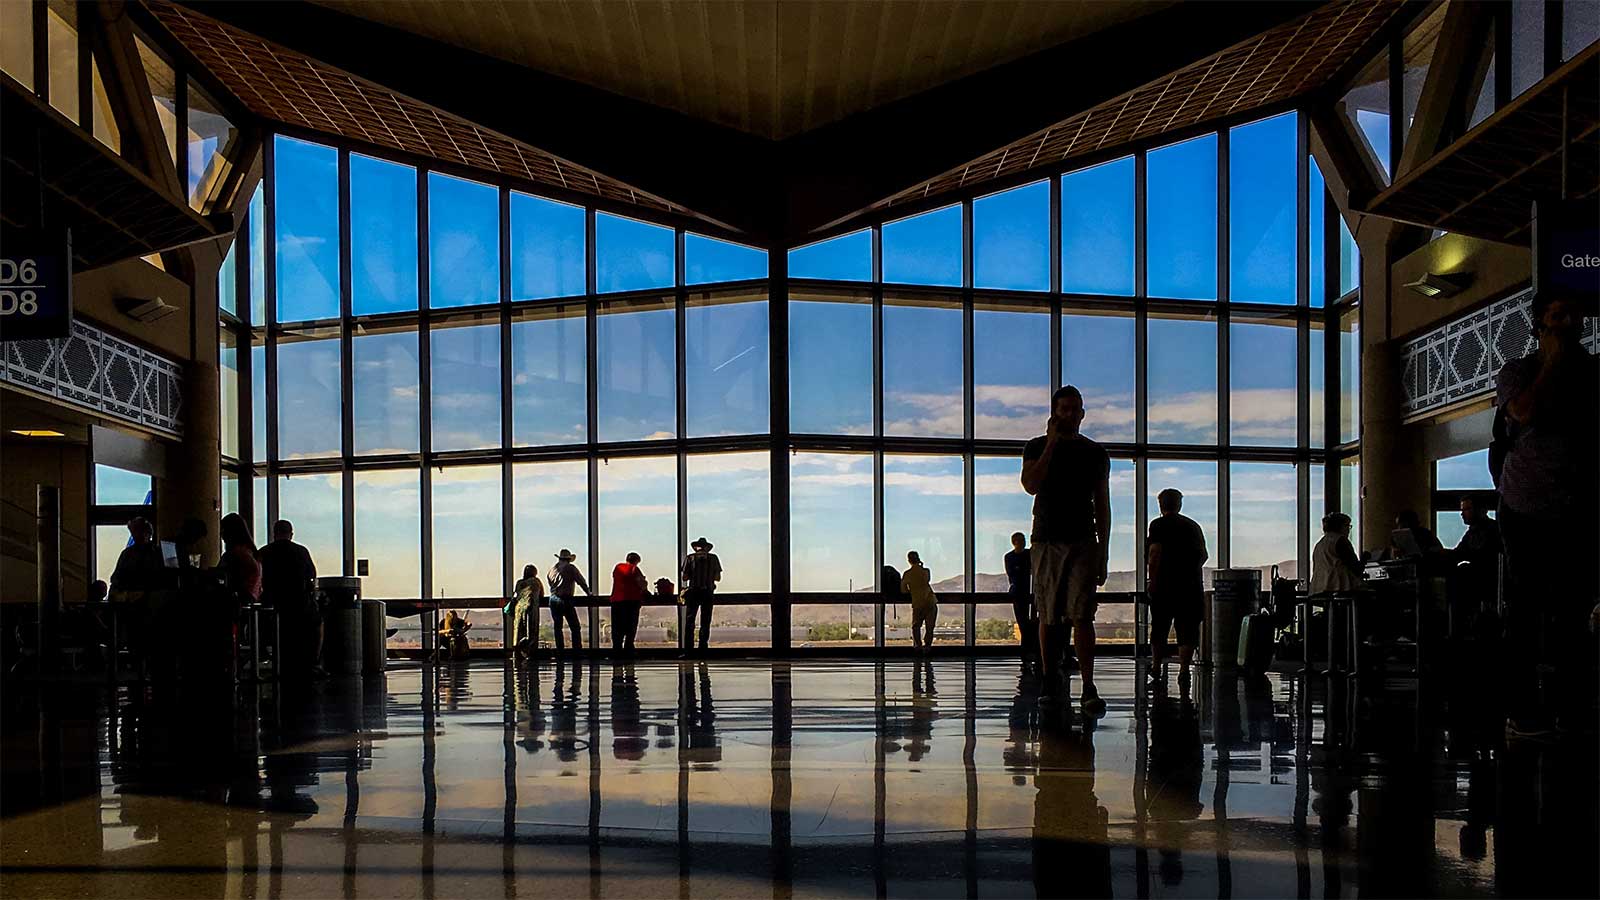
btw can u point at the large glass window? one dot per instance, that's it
(830, 363)
(228, 282)
(844, 258)
(1263, 527)
(228, 386)
(1097, 219)
(1580, 27)
(1350, 375)
(1350, 495)
(309, 395)
(1366, 108)
(631, 255)
(1097, 357)
(830, 518)
(730, 505)
(258, 400)
(463, 242)
(1264, 403)
(388, 523)
(383, 236)
(727, 369)
(385, 387)
(120, 487)
(549, 403)
(258, 256)
(1262, 183)
(314, 505)
(1011, 239)
(210, 141)
(466, 533)
(924, 249)
(465, 383)
(1316, 236)
(1000, 508)
(1197, 481)
(551, 513)
(707, 260)
(923, 381)
(638, 514)
(1181, 220)
(16, 42)
(922, 511)
(1010, 370)
(1121, 561)
(1349, 260)
(1182, 375)
(61, 37)
(1464, 472)
(638, 361)
(306, 207)
(547, 248)
(1317, 375)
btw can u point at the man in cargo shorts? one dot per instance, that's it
(1068, 476)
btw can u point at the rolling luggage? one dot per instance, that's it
(1257, 640)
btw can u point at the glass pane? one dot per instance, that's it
(463, 242)
(1183, 381)
(923, 385)
(830, 520)
(210, 141)
(228, 386)
(1317, 368)
(1483, 103)
(308, 399)
(388, 523)
(1580, 27)
(61, 36)
(228, 281)
(830, 366)
(306, 191)
(1349, 260)
(1097, 356)
(1450, 529)
(1263, 529)
(1263, 406)
(1197, 481)
(1263, 264)
(1011, 239)
(638, 514)
(1010, 371)
(727, 369)
(551, 513)
(105, 120)
(1465, 472)
(164, 91)
(1121, 569)
(1317, 473)
(466, 533)
(109, 540)
(1350, 495)
(547, 248)
(465, 386)
(923, 511)
(230, 493)
(631, 255)
(383, 236)
(1097, 229)
(120, 487)
(707, 259)
(314, 505)
(385, 372)
(844, 258)
(258, 257)
(1316, 236)
(1000, 508)
(1366, 109)
(258, 491)
(549, 402)
(730, 505)
(1181, 220)
(638, 394)
(16, 42)
(1527, 44)
(924, 249)
(1350, 376)
(258, 401)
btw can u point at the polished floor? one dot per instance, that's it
(775, 779)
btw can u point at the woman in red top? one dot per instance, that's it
(628, 590)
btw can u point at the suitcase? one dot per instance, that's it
(1257, 640)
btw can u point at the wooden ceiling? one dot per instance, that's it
(769, 68)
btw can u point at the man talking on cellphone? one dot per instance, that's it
(1067, 474)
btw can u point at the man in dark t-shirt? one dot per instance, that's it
(1176, 554)
(1067, 474)
(288, 583)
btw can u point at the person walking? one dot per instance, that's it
(1175, 557)
(629, 587)
(564, 580)
(1069, 477)
(1019, 584)
(526, 594)
(917, 584)
(700, 573)
(288, 585)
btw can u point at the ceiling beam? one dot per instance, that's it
(144, 141)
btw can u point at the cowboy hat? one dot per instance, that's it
(701, 542)
(565, 555)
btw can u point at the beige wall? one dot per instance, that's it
(94, 295)
(1495, 270)
(26, 465)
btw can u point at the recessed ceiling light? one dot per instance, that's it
(36, 432)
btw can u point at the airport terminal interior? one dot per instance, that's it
(622, 448)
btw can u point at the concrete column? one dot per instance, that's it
(193, 486)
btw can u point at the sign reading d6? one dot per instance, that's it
(35, 291)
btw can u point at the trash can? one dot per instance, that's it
(1234, 595)
(341, 640)
(374, 639)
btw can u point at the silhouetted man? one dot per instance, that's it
(289, 584)
(701, 572)
(139, 565)
(1175, 557)
(1019, 585)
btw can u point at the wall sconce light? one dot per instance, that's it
(146, 311)
(1440, 287)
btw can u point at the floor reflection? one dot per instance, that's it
(818, 777)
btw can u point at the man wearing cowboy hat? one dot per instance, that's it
(701, 572)
(565, 579)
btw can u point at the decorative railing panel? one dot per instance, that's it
(102, 374)
(1460, 359)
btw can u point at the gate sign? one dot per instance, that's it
(1566, 252)
(35, 290)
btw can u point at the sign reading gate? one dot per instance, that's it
(35, 290)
